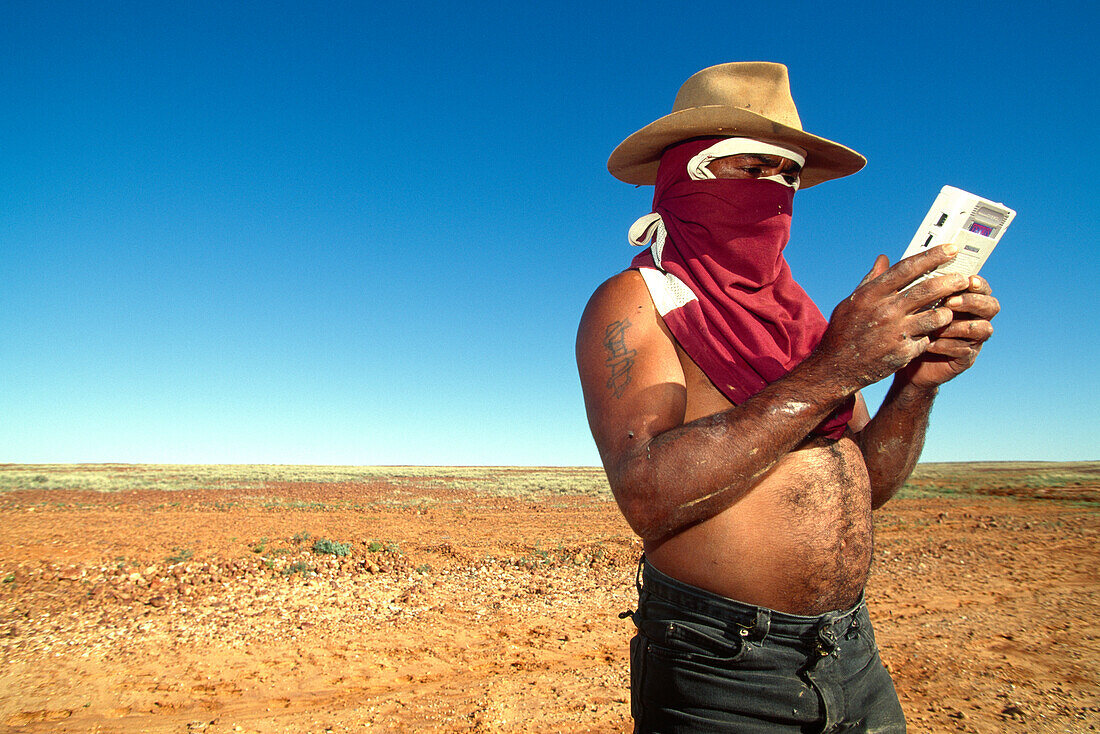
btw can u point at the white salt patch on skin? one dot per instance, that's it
(704, 498)
(791, 408)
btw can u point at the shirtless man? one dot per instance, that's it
(751, 475)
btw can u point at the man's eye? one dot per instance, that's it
(752, 171)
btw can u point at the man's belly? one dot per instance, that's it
(800, 542)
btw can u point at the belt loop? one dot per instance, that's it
(857, 613)
(763, 623)
(827, 637)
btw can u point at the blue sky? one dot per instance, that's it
(363, 233)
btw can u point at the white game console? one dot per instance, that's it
(971, 222)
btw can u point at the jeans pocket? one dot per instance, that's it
(700, 642)
(863, 632)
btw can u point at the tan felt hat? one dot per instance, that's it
(749, 99)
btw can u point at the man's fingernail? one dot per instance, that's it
(950, 249)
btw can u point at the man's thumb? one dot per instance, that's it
(882, 264)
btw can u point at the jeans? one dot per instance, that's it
(704, 663)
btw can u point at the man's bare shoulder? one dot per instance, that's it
(631, 377)
(620, 309)
(624, 292)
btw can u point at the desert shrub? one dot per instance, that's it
(297, 567)
(379, 546)
(331, 547)
(179, 555)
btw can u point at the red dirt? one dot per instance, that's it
(472, 612)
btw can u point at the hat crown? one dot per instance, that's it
(743, 99)
(761, 87)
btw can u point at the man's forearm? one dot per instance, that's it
(891, 443)
(694, 471)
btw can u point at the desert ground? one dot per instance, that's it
(337, 599)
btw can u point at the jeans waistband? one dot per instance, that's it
(759, 621)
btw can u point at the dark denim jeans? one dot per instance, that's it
(704, 663)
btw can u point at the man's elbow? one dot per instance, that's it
(646, 525)
(642, 510)
(880, 496)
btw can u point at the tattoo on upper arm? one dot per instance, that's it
(619, 358)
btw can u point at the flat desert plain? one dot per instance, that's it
(336, 599)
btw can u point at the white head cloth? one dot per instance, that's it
(698, 170)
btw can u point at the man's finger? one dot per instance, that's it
(911, 268)
(926, 322)
(933, 290)
(980, 285)
(976, 304)
(956, 349)
(973, 330)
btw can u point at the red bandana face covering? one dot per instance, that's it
(720, 282)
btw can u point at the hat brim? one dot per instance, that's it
(636, 159)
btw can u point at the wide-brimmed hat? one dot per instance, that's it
(742, 99)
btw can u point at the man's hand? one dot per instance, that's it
(955, 347)
(879, 329)
(890, 331)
